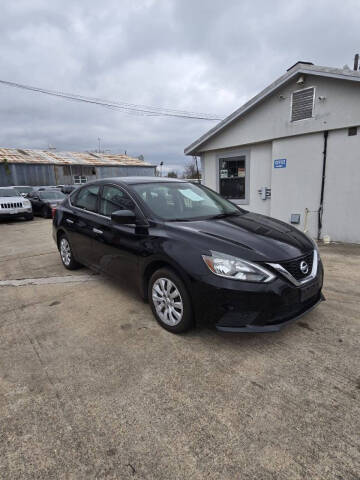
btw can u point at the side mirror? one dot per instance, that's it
(123, 217)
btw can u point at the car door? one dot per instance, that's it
(80, 221)
(117, 247)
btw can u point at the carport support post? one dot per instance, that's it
(321, 207)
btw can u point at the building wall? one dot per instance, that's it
(271, 118)
(32, 174)
(297, 187)
(341, 218)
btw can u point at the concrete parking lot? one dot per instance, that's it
(91, 387)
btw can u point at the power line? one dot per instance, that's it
(130, 108)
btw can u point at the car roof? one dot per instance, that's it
(138, 180)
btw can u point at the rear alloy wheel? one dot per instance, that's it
(170, 301)
(66, 254)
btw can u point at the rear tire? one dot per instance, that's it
(66, 254)
(45, 212)
(170, 301)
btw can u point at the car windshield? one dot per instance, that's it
(24, 189)
(49, 195)
(9, 192)
(184, 201)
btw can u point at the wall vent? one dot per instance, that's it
(302, 104)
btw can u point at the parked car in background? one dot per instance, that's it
(67, 189)
(13, 205)
(192, 253)
(43, 201)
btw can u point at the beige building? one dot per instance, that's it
(293, 152)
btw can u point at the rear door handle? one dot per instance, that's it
(69, 221)
(95, 230)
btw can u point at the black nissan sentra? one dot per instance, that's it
(193, 255)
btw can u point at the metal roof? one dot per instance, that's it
(12, 155)
(305, 68)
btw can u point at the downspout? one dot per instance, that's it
(321, 207)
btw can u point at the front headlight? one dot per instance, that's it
(237, 269)
(26, 203)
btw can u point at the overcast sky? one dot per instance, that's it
(199, 55)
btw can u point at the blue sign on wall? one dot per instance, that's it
(280, 163)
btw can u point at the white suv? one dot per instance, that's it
(13, 205)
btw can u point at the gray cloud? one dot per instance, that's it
(204, 55)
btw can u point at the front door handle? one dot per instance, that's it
(69, 221)
(95, 230)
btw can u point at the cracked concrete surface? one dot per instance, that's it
(92, 388)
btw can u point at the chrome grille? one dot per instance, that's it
(11, 205)
(293, 266)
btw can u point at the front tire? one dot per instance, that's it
(170, 301)
(66, 254)
(30, 216)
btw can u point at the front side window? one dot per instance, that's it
(86, 198)
(113, 199)
(183, 201)
(232, 172)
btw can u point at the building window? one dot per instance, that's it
(302, 104)
(352, 131)
(232, 173)
(79, 179)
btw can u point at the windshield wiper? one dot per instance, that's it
(180, 220)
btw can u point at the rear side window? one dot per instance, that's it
(112, 199)
(87, 198)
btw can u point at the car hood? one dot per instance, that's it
(250, 235)
(11, 199)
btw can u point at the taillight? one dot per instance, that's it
(53, 211)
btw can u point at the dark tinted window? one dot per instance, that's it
(112, 199)
(86, 198)
(49, 195)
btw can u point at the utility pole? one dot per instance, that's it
(99, 142)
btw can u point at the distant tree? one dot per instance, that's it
(172, 174)
(190, 170)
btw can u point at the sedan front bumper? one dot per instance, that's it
(233, 306)
(272, 327)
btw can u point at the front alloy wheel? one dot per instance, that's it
(170, 301)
